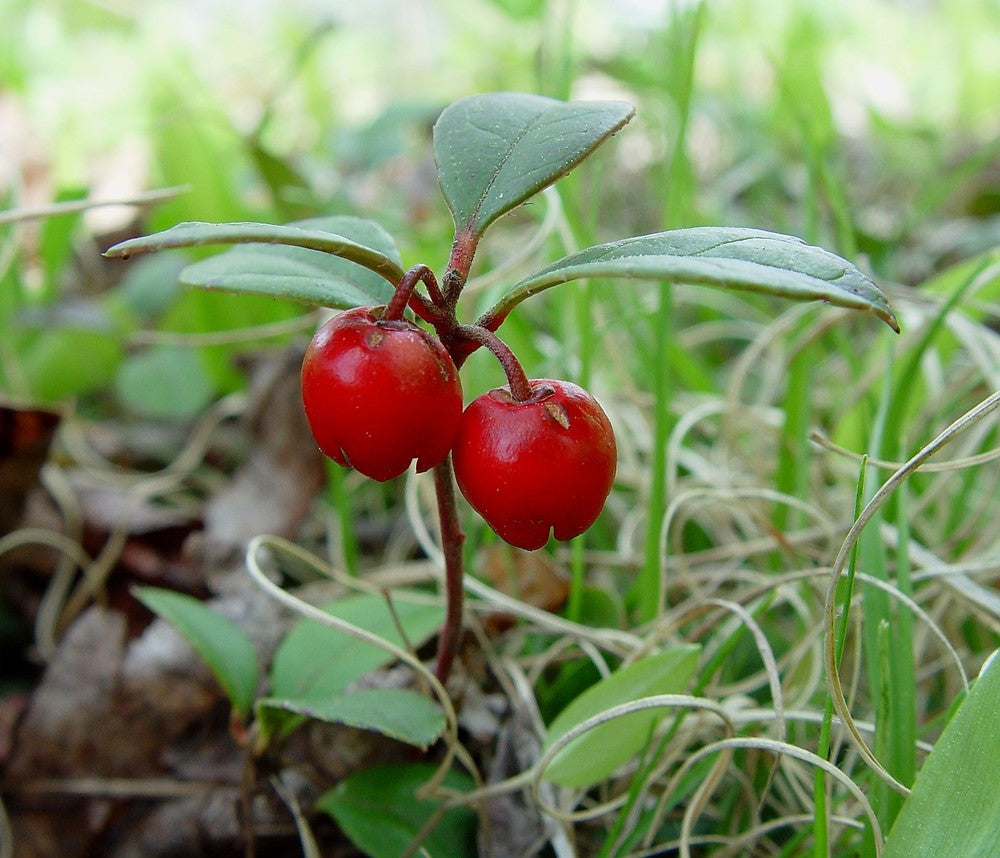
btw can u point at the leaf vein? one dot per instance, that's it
(500, 165)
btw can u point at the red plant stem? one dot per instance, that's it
(452, 538)
(520, 389)
(422, 308)
(430, 281)
(405, 294)
(457, 272)
(451, 543)
(394, 309)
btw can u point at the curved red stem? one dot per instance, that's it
(520, 389)
(406, 295)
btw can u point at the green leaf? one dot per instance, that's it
(223, 645)
(62, 363)
(395, 712)
(596, 754)
(299, 273)
(733, 258)
(601, 608)
(284, 272)
(954, 807)
(165, 382)
(378, 810)
(316, 662)
(304, 274)
(150, 286)
(494, 151)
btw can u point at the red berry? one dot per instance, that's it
(379, 394)
(547, 462)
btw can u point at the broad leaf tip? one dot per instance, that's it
(495, 150)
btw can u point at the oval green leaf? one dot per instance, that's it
(494, 151)
(395, 712)
(378, 810)
(61, 363)
(150, 286)
(166, 382)
(316, 662)
(732, 258)
(298, 270)
(300, 273)
(223, 645)
(954, 807)
(596, 754)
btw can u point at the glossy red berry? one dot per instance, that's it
(379, 394)
(545, 463)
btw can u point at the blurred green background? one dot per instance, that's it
(869, 128)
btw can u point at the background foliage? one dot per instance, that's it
(868, 128)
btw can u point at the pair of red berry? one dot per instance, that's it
(379, 393)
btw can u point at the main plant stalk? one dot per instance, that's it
(451, 544)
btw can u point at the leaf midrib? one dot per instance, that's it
(499, 168)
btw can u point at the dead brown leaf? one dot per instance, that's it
(532, 577)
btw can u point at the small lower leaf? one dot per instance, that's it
(315, 662)
(165, 382)
(395, 712)
(596, 754)
(379, 811)
(63, 363)
(150, 286)
(223, 645)
(954, 807)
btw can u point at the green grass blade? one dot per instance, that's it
(844, 596)
(902, 669)
(647, 588)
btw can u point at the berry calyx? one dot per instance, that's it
(545, 463)
(380, 393)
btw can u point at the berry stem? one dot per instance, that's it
(451, 543)
(430, 281)
(427, 311)
(405, 295)
(520, 389)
